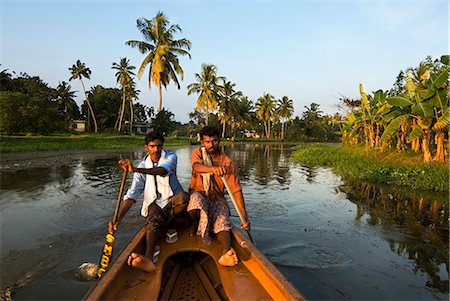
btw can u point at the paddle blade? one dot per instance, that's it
(87, 271)
(106, 255)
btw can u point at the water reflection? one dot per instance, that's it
(422, 221)
(265, 162)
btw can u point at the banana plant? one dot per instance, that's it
(424, 106)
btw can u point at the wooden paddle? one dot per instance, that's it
(109, 244)
(233, 200)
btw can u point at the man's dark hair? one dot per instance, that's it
(151, 136)
(209, 131)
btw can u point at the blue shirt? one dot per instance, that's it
(138, 185)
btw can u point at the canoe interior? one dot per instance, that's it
(188, 270)
(191, 276)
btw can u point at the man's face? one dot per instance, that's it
(154, 149)
(211, 144)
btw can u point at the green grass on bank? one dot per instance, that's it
(355, 163)
(9, 144)
(77, 142)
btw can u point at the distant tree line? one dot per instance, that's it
(219, 104)
(29, 105)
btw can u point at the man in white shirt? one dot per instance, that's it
(156, 177)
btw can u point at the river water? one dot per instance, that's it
(332, 239)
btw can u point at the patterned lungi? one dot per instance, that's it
(214, 215)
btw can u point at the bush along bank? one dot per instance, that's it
(356, 163)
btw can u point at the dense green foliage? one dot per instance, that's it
(391, 168)
(106, 103)
(164, 122)
(313, 126)
(27, 104)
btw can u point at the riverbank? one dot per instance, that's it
(355, 163)
(11, 144)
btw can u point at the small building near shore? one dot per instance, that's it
(78, 125)
(141, 128)
(251, 134)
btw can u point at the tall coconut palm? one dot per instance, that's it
(228, 103)
(207, 88)
(132, 93)
(265, 109)
(123, 77)
(285, 110)
(245, 114)
(161, 51)
(78, 71)
(66, 99)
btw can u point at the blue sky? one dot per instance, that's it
(310, 51)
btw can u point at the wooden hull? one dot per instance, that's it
(188, 270)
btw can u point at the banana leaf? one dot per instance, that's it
(438, 80)
(393, 127)
(399, 101)
(416, 133)
(443, 121)
(439, 99)
(423, 109)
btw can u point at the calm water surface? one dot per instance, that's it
(333, 240)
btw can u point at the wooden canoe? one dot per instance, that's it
(188, 270)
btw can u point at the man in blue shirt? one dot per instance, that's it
(164, 197)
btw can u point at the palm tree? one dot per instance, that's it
(245, 114)
(65, 98)
(123, 77)
(228, 103)
(285, 110)
(265, 109)
(131, 93)
(161, 51)
(79, 70)
(208, 89)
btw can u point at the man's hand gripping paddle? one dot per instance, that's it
(109, 243)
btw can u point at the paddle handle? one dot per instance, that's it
(109, 240)
(233, 200)
(119, 198)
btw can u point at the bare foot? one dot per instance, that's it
(229, 259)
(141, 262)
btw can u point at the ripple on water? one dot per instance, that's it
(265, 208)
(310, 256)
